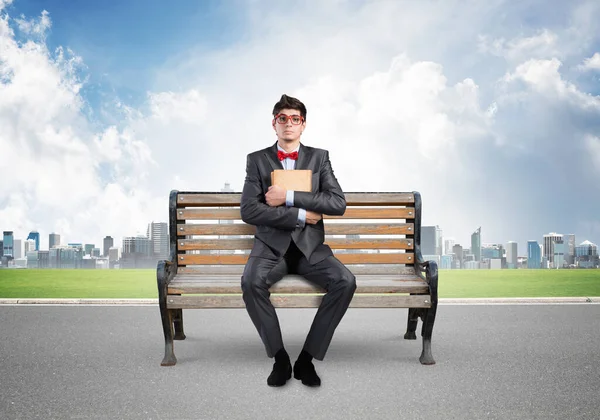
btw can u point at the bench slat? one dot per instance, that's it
(186, 284)
(300, 301)
(334, 243)
(233, 199)
(356, 269)
(357, 258)
(330, 229)
(351, 213)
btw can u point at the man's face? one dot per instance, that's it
(291, 129)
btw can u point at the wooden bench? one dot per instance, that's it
(378, 238)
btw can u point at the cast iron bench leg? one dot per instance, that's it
(413, 318)
(166, 315)
(429, 314)
(178, 323)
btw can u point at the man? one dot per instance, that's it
(289, 239)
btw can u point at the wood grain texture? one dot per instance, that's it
(362, 258)
(356, 269)
(351, 213)
(197, 199)
(191, 284)
(300, 301)
(330, 229)
(334, 243)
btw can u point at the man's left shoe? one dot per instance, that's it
(307, 374)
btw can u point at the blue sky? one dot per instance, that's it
(123, 43)
(490, 110)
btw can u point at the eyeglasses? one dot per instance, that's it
(282, 119)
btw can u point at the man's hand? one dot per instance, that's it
(312, 218)
(275, 196)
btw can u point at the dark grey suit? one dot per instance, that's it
(281, 248)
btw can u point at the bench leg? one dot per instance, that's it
(429, 314)
(178, 323)
(166, 315)
(413, 318)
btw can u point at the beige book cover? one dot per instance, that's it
(295, 179)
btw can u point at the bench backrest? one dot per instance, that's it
(378, 234)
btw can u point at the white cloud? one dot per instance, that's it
(541, 45)
(591, 63)
(35, 27)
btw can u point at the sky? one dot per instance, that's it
(491, 110)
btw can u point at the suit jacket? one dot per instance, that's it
(276, 226)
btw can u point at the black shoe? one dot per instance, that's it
(282, 371)
(306, 372)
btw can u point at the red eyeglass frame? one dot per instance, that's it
(288, 118)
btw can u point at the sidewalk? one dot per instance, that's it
(442, 301)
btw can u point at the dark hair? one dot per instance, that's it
(287, 102)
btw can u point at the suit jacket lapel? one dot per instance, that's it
(271, 155)
(303, 157)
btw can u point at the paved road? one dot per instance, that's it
(493, 362)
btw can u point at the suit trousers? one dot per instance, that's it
(330, 274)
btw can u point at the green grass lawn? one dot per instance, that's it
(142, 283)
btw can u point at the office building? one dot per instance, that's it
(108, 243)
(8, 244)
(569, 240)
(53, 240)
(558, 258)
(448, 245)
(36, 237)
(446, 262)
(457, 250)
(548, 250)
(88, 248)
(29, 246)
(586, 255)
(18, 249)
(431, 240)
(534, 255)
(476, 244)
(158, 234)
(511, 255)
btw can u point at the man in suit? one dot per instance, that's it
(289, 239)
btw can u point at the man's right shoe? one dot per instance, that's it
(306, 373)
(282, 371)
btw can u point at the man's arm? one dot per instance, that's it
(254, 209)
(330, 200)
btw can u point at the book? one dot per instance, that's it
(295, 179)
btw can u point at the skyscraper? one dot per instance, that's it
(511, 254)
(448, 245)
(18, 248)
(428, 240)
(88, 248)
(53, 240)
(36, 237)
(534, 254)
(569, 248)
(7, 244)
(476, 244)
(108, 244)
(158, 234)
(549, 241)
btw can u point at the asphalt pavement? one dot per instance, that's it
(506, 361)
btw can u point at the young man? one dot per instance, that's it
(289, 239)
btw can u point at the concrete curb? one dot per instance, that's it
(442, 301)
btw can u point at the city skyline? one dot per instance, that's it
(118, 243)
(493, 120)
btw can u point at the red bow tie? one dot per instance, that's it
(282, 155)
